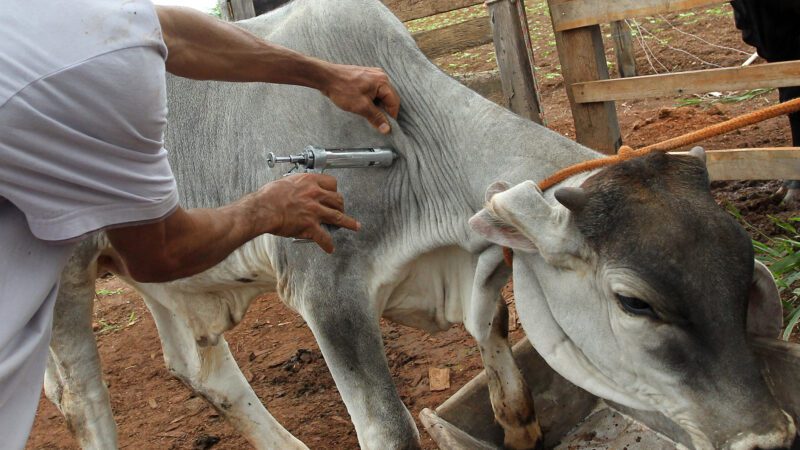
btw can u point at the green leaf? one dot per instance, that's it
(794, 317)
(785, 264)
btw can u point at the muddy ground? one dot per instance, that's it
(275, 348)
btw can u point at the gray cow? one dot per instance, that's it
(635, 286)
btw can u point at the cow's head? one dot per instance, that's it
(636, 286)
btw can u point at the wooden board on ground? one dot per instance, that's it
(439, 379)
(771, 75)
(754, 164)
(454, 38)
(407, 10)
(580, 13)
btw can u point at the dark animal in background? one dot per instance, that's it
(265, 6)
(773, 28)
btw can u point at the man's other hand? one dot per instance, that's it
(297, 206)
(363, 91)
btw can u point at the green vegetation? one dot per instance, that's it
(215, 11)
(718, 97)
(106, 326)
(107, 292)
(782, 256)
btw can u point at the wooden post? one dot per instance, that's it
(582, 58)
(234, 10)
(623, 47)
(513, 57)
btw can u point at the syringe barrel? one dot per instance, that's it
(343, 158)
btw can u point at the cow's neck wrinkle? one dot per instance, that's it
(455, 144)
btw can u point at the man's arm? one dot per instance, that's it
(190, 241)
(202, 47)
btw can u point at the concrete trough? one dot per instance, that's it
(574, 419)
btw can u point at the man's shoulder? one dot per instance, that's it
(69, 32)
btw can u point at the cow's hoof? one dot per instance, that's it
(792, 198)
(528, 437)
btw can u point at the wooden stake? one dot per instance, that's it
(511, 45)
(623, 48)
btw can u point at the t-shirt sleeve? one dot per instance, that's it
(82, 149)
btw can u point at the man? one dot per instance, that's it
(771, 26)
(82, 115)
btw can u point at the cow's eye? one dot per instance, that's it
(636, 306)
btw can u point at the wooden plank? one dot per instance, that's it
(407, 10)
(582, 58)
(241, 9)
(770, 75)
(572, 14)
(511, 48)
(623, 48)
(753, 164)
(454, 38)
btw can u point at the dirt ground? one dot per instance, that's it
(275, 348)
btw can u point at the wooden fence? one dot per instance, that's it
(506, 26)
(592, 95)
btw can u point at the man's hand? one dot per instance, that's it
(362, 90)
(190, 241)
(298, 205)
(203, 48)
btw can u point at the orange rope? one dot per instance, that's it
(626, 152)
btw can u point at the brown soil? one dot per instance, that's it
(277, 351)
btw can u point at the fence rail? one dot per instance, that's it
(568, 15)
(454, 38)
(408, 10)
(771, 75)
(753, 163)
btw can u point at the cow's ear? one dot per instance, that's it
(764, 309)
(497, 232)
(496, 188)
(493, 229)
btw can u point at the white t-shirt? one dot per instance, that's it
(82, 113)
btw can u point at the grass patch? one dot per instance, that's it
(719, 97)
(108, 292)
(782, 256)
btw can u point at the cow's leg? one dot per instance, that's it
(212, 372)
(487, 321)
(73, 380)
(350, 339)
